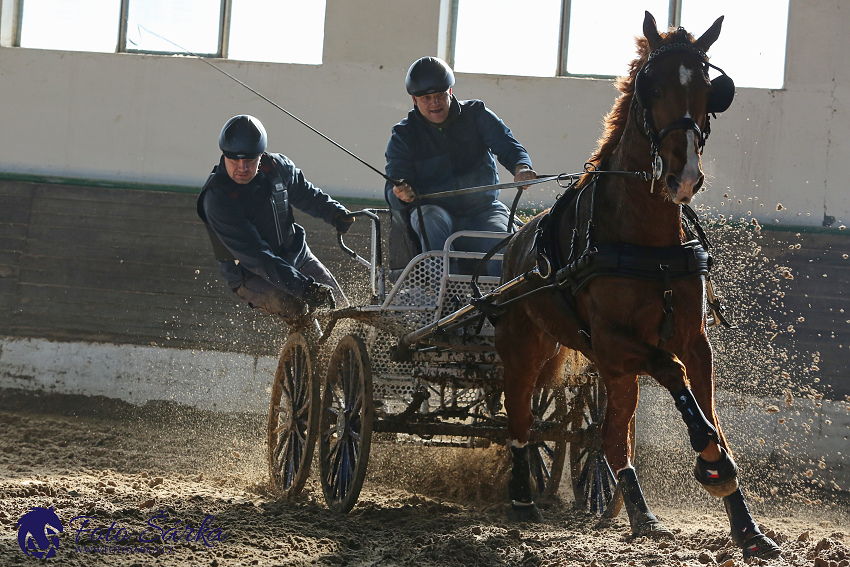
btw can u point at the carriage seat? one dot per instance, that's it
(404, 243)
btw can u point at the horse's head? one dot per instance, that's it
(673, 98)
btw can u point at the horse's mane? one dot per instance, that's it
(614, 123)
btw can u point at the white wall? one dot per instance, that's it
(156, 119)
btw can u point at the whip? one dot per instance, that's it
(395, 182)
(276, 105)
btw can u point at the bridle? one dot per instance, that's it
(721, 93)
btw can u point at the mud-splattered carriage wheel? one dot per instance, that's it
(594, 485)
(293, 416)
(346, 424)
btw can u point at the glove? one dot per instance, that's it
(343, 221)
(319, 296)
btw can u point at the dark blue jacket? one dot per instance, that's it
(456, 155)
(243, 219)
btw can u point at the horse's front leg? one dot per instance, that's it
(715, 468)
(622, 403)
(744, 530)
(524, 355)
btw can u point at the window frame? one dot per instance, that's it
(674, 19)
(223, 33)
(12, 29)
(12, 17)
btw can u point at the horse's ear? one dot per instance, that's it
(650, 31)
(710, 36)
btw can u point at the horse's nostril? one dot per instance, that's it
(672, 183)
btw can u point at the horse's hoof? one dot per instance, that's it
(719, 478)
(760, 546)
(652, 529)
(522, 512)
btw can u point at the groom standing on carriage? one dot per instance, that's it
(443, 145)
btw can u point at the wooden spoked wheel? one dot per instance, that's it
(546, 458)
(293, 416)
(346, 424)
(594, 484)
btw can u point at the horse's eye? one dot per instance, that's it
(656, 93)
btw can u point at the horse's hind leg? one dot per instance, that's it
(518, 391)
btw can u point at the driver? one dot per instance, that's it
(446, 144)
(246, 205)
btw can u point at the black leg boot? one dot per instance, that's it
(523, 508)
(745, 532)
(643, 522)
(719, 478)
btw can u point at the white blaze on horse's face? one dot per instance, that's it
(682, 174)
(685, 75)
(692, 174)
(692, 177)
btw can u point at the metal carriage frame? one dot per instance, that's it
(419, 363)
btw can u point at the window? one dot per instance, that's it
(593, 52)
(507, 37)
(759, 63)
(549, 38)
(82, 25)
(152, 26)
(283, 31)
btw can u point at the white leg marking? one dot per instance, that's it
(628, 466)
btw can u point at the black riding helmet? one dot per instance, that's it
(429, 75)
(242, 137)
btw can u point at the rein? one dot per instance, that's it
(512, 184)
(561, 178)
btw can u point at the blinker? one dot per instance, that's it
(721, 94)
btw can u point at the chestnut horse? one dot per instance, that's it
(627, 280)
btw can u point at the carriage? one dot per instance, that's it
(628, 267)
(418, 364)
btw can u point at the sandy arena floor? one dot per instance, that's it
(147, 473)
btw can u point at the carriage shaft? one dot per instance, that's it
(497, 434)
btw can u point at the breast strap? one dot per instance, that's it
(631, 261)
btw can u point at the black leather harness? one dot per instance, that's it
(565, 275)
(663, 264)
